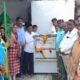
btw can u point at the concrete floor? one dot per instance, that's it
(40, 77)
(37, 77)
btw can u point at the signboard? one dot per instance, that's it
(45, 45)
(45, 60)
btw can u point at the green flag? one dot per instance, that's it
(2, 18)
(5, 18)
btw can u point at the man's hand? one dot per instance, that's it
(2, 70)
(61, 53)
(1, 66)
(35, 36)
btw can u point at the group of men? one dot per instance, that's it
(66, 35)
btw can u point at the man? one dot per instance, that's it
(54, 26)
(66, 45)
(60, 34)
(75, 58)
(65, 27)
(20, 31)
(29, 49)
(21, 39)
(35, 28)
(59, 37)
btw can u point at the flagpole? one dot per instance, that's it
(5, 18)
(6, 34)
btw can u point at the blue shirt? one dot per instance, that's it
(21, 35)
(59, 37)
(2, 53)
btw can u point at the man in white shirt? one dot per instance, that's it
(54, 26)
(67, 44)
(29, 50)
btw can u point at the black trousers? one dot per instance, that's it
(28, 63)
(21, 61)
